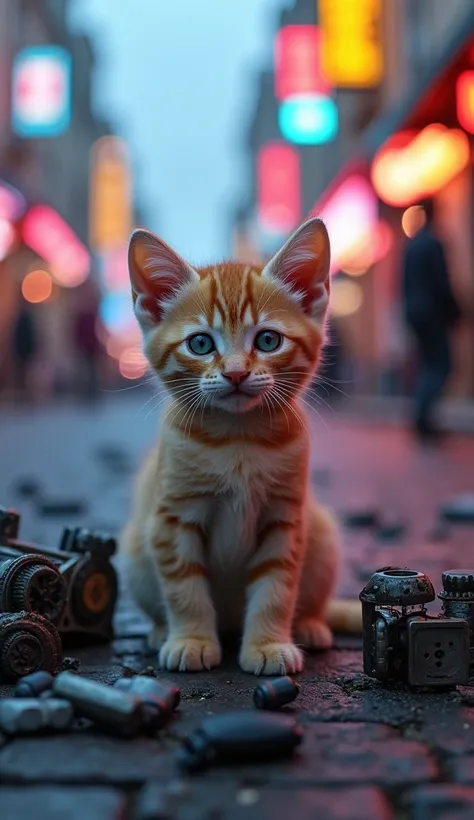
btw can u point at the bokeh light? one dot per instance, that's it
(346, 297)
(7, 237)
(413, 219)
(37, 286)
(132, 363)
(412, 166)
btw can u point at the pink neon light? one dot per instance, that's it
(7, 237)
(279, 197)
(349, 215)
(12, 202)
(46, 233)
(298, 67)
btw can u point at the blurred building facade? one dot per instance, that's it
(425, 46)
(50, 176)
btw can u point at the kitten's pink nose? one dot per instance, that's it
(236, 376)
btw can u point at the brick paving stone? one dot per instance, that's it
(461, 769)
(451, 735)
(441, 802)
(84, 758)
(47, 803)
(347, 754)
(226, 801)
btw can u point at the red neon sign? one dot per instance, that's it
(279, 198)
(298, 62)
(465, 100)
(48, 235)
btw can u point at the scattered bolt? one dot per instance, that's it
(160, 700)
(32, 686)
(70, 664)
(240, 736)
(30, 715)
(107, 706)
(272, 694)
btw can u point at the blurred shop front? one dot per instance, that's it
(420, 147)
(42, 261)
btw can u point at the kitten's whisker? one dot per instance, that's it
(301, 398)
(131, 387)
(164, 397)
(154, 396)
(180, 398)
(277, 399)
(293, 410)
(191, 413)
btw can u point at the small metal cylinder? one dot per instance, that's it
(32, 686)
(272, 694)
(457, 599)
(240, 737)
(30, 715)
(107, 706)
(161, 699)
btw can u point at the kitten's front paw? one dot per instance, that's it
(271, 659)
(190, 654)
(313, 634)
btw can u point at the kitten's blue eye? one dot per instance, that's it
(268, 340)
(201, 344)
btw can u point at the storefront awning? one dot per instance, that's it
(430, 95)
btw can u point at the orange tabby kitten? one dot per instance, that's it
(225, 531)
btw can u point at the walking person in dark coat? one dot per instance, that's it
(431, 311)
(25, 349)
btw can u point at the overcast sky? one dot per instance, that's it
(178, 78)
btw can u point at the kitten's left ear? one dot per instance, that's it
(302, 266)
(157, 274)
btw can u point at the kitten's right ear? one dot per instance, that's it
(157, 274)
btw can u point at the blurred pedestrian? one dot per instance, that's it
(25, 344)
(431, 311)
(87, 345)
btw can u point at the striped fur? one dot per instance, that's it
(225, 534)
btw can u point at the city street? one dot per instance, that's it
(369, 753)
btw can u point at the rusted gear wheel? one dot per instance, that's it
(33, 584)
(28, 643)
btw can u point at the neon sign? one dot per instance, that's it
(48, 235)
(279, 198)
(412, 166)
(351, 44)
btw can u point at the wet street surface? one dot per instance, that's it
(369, 752)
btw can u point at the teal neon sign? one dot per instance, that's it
(309, 119)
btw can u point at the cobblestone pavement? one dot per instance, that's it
(368, 753)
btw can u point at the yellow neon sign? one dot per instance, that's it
(110, 201)
(351, 44)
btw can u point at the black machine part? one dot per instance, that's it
(396, 586)
(458, 584)
(77, 539)
(240, 736)
(438, 652)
